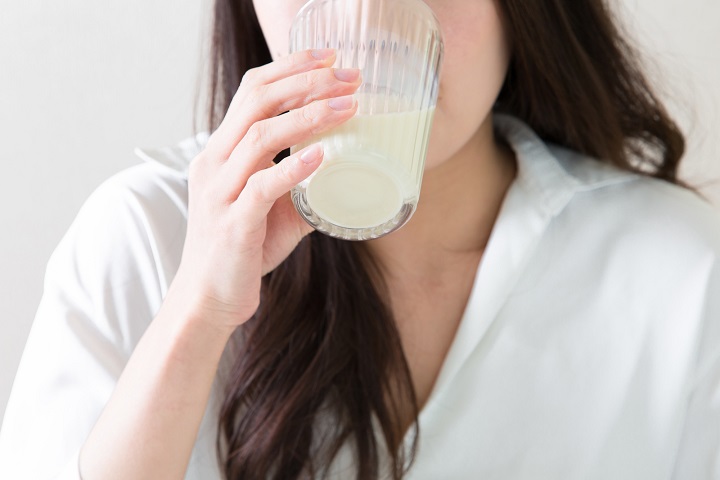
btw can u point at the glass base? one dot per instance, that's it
(299, 198)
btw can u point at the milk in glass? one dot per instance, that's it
(372, 167)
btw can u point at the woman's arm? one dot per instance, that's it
(148, 428)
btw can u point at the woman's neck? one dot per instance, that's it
(459, 202)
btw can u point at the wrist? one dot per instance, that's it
(209, 303)
(187, 314)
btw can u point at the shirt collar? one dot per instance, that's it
(549, 172)
(177, 157)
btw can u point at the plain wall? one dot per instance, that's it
(680, 42)
(82, 83)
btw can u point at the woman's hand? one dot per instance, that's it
(241, 222)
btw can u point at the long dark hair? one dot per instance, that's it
(323, 344)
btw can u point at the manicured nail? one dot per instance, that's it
(347, 74)
(342, 103)
(322, 53)
(313, 153)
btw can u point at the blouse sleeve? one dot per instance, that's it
(103, 285)
(699, 452)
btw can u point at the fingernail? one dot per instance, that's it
(312, 153)
(322, 53)
(342, 103)
(347, 74)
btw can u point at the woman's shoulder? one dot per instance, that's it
(613, 203)
(122, 250)
(151, 196)
(162, 177)
(109, 273)
(142, 207)
(666, 214)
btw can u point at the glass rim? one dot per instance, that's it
(427, 11)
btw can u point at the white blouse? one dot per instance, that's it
(589, 348)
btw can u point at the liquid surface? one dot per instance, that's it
(354, 195)
(373, 165)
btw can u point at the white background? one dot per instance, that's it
(82, 83)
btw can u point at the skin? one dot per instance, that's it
(241, 225)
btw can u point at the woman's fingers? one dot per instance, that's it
(264, 187)
(236, 121)
(288, 65)
(306, 88)
(266, 138)
(268, 101)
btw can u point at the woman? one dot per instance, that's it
(562, 322)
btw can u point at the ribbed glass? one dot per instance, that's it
(369, 182)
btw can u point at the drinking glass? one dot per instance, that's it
(368, 184)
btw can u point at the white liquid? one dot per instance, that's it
(373, 165)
